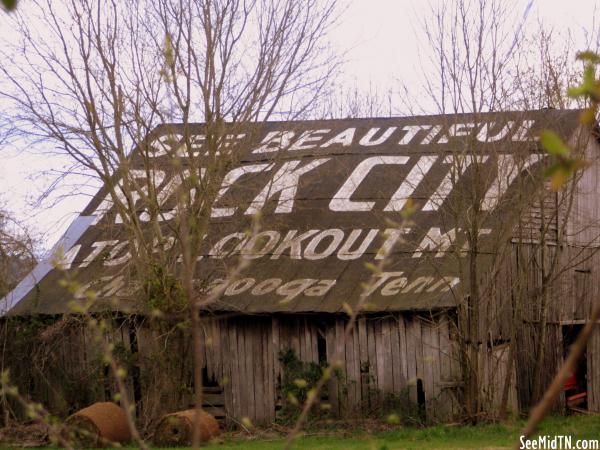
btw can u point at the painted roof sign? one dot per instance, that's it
(331, 196)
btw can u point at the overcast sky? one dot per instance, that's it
(379, 38)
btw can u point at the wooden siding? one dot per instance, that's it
(495, 369)
(383, 363)
(584, 213)
(384, 358)
(542, 218)
(573, 286)
(55, 362)
(380, 363)
(593, 369)
(527, 338)
(512, 305)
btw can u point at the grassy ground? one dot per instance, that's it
(495, 436)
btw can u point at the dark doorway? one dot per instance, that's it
(576, 385)
(421, 401)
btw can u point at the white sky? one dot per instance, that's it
(379, 37)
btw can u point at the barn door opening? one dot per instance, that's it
(576, 386)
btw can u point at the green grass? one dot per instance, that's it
(492, 436)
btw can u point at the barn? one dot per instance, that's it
(439, 233)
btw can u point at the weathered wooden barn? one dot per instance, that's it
(372, 210)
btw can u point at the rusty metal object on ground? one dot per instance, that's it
(177, 429)
(97, 425)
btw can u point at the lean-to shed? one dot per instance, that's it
(412, 217)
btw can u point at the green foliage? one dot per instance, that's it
(163, 291)
(297, 383)
(564, 165)
(124, 357)
(554, 144)
(398, 409)
(590, 85)
(589, 89)
(36, 353)
(169, 59)
(9, 5)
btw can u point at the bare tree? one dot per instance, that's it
(479, 57)
(96, 79)
(17, 254)
(469, 46)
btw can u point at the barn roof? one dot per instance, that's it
(332, 194)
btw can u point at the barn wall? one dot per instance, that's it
(495, 372)
(574, 286)
(392, 358)
(512, 306)
(526, 352)
(593, 369)
(584, 213)
(58, 361)
(512, 302)
(400, 363)
(383, 362)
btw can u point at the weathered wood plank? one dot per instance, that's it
(225, 381)
(418, 335)
(207, 345)
(593, 352)
(401, 331)
(435, 354)
(386, 351)
(217, 345)
(446, 404)
(259, 376)
(373, 374)
(333, 383)
(339, 360)
(295, 337)
(380, 359)
(270, 371)
(237, 367)
(247, 346)
(350, 375)
(593, 384)
(428, 361)
(302, 350)
(275, 346)
(357, 374)
(363, 361)
(307, 330)
(411, 359)
(314, 333)
(395, 355)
